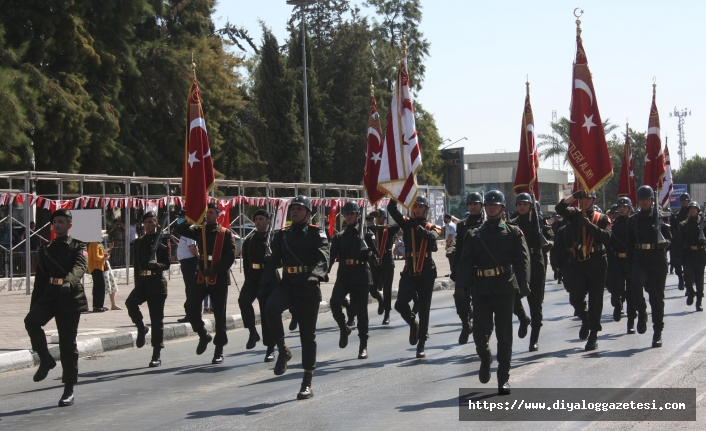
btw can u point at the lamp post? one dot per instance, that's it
(302, 4)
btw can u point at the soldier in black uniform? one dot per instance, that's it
(496, 263)
(675, 254)
(691, 239)
(213, 278)
(648, 256)
(558, 254)
(256, 253)
(619, 272)
(303, 252)
(462, 296)
(353, 276)
(382, 262)
(537, 248)
(58, 293)
(613, 212)
(150, 286)
(587, 264)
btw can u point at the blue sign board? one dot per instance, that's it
(678, 190)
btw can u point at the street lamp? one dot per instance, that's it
(462, 139)
(302, 4)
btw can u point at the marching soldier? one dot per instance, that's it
(218, 254)
(557, 255)
(353, 278)
(675, 253)
(58, 293)
(691, 239)
(463, 296)
(303, 252)
(256, 253)
(587, 264)
(537, 249)
(613, 212)
(619, 267)
(150, 286)
(496, 263)
(648, 256)
(419, 273)
(382, 262)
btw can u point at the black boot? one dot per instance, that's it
(524, 324)
(343, 340)
(293, 323)
(46, 363)
(204, 339)
(420, 350)
(503, 388)
(381, 305)
(690, 298)
(485, 362)
(641, 323)
(67, 398)
(698, 304)
(413, 329)
(534, 340)
(363, 349)
(218, 356)
(252, 339)
(270, 354)
(657, 339)
(141, 332)
(618, 311)
(306, 391)
(592, 343)
(156, 360)
(466, 331)
(386, 319)
(284, 356)
(631, 325)
(349, 312)
(681, 283)
(583, 332)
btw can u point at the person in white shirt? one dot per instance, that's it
(450, 237)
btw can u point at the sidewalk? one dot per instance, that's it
(112, 330)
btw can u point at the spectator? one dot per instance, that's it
(133, 231)
(188, 256)
(111, 285)
(450, 236)
(117, 237)
(96, 264)
(399, 248)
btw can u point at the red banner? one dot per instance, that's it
(588, 152)
(654, 158)
(373, 154)
(197, 173)
(527, 164)
(332, 217)
(627, 171)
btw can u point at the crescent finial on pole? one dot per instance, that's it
(372, 88)
(193, 65)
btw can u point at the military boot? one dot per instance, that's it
(617, 310)
(503, 388)
(657, 339)
(386, 319)
(46, 363)
(698, 304)
(690, 297)
(524, 324)
(204, 339)
(270, 354)
(252, 339)
(592, 343)
(420, 349)
(466, 329)
(363, 349)
(413, 329)
(156, 357)
(641, 323)
(381, 305)
(345, 332)
(534, 340)
(293, 323)
(284, 356)
(485, 362)
(631, 325)
(67, 398)
(141, 332)
(218, 356)
(306, 391)
(681, 283)
(583, 332)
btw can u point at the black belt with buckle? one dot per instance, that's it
(645, 247)
(56, 281)
(695, 247)
(354, 262)
(492, 272)
(620, 255)
(297, 269)
(258, 266)
(148, 273)
(417, 254)
(378, 262)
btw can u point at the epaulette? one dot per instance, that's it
(315, 226)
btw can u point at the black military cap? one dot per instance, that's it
(149, 214)
(212, 205)
(261, 213)
(625, 201)
(694, 204)
(182, 213)
(61, 213)
(613, 209)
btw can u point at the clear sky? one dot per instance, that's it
(481, 53)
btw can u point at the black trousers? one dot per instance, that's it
(536, 297)
(588, 278)
(383, 276)
(676, 262)
(155, 305)
(194, 306)
(247, 296)
(359, 302)
(67, 325)
(499, 307)
(188, 270)
(694, 264)
(423, 287)
(619, 285)
(98, 288)
(649, 271)
(306, 309)
(463, 300)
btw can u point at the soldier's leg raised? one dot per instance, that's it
(503, 306)
(677, 262)
(596, 276)
(463, 309)
(405, 294)
(193, 307)
(136, 298)
(39, 315)
(387, 276)
(637, 285)
(688, 274)
(536, 300)
(482, 328)
(338, 294)
(519, 311)
(656, 280)
(245, 300)
(279, 301)
(616, 288)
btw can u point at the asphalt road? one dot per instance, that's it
(391, 390)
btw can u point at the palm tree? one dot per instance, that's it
(557, 144)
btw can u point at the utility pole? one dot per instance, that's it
(680, 116)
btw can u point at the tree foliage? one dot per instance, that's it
(693, 171)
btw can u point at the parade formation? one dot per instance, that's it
(499, 264)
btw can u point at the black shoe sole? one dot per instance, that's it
(66, 403)
(305, 397)
(155, 364)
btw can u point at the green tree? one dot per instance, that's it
(429, 141)
(693, 171)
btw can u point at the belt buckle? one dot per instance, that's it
(291, 270)
(378, 262)
(56, 281)
(488, 272)
(350, 261)
(210, 258)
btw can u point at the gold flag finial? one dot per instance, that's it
(404, 45)
(372, 88)
(527, 84)
(654, 86)
(193, 65)
(578, 12)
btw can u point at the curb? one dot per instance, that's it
(21, 359)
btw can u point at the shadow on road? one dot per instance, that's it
(235, 411)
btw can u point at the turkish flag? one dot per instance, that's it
(667, 183)
(373, 154)
(627, 172)
(588, 152)
(654, 158)
(224, 214)
(332, 216)
(526, 180)
(197, 176)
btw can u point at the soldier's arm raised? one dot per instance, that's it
(396, 214)
(188, 230)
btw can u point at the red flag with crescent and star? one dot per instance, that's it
(197, 176)
(373, 153)
(627, 172)
(588, 152)
(654, 157)
(528, 162)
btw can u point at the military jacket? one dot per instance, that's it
(155, 282)
(508, 247)
(378, 231)
(619, 239)
(641, 231)
(254, 260)
(409, 225)
(346, 247)
(227, 252)
(601, 233)
(687, 238)
(463, 227)
(72, 257)
(525, 223)
(303, 246)
(677, 218)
